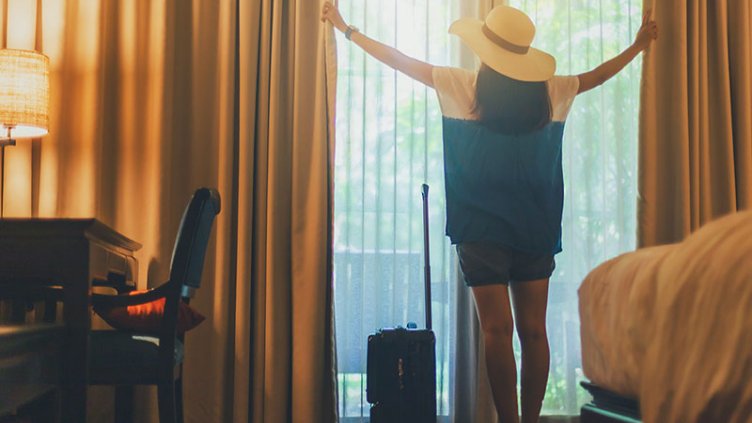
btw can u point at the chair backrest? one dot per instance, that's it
(186, 267)
(192, 240)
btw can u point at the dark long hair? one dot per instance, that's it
(510, 106)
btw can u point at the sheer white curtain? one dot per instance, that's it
(389, 142)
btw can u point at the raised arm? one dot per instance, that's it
(647, 33)
(420, 71)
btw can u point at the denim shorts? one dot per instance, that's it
(489, 264)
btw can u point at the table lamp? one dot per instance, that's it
(24, 100)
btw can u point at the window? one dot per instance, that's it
(389, 142)
(600, 166)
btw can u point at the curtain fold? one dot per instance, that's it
(695, 126)
(292, 336)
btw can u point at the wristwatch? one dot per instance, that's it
(350, 29)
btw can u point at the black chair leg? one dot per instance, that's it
(124, 403)
(166, 402)
(179, 400)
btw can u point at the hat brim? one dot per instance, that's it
(534, 66)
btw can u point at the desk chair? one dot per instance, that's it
(125, 359)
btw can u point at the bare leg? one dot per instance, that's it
(529, 300)
(495, 315)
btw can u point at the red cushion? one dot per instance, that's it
(148, 317)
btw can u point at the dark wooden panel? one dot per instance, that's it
(30, 363)
(90, 229)
(592, 414)
(608, 407)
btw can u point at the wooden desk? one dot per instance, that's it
(71, 253)
(29, 364)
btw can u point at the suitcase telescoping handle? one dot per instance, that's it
(427, 258)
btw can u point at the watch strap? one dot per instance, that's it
(350, 29)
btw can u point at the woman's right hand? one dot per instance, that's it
(330, 13)
(648, 32)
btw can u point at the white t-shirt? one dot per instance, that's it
(456, 90)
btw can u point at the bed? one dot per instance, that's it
(667, 331)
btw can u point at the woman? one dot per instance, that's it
(502, 130)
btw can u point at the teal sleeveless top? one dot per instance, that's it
(502, 189)
(507, 190)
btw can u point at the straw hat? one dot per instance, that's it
(503, 41)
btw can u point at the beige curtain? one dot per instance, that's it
(148, 105)
(695, 118)
(142, 114)
(284, 124)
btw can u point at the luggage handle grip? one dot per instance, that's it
(427, 259)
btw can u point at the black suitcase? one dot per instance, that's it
(401, 382)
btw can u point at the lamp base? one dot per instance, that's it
(3, 143)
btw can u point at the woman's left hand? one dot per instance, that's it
(330, 13)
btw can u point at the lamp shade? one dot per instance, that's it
(24, 93)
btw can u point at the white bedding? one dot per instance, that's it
(672, 326)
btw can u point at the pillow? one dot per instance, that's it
(148, 317)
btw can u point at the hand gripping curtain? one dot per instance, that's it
(695, 126)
